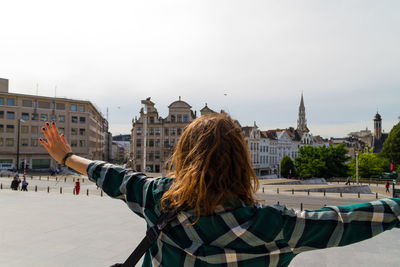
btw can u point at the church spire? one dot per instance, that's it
(302, 122)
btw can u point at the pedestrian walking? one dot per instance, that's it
(348, 181)
(24, 185)
(77, 186)
(387, 186)
(218, 221)
(14, 183)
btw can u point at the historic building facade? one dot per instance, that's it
(151, 149)
(21, 119)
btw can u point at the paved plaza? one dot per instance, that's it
(50, 229)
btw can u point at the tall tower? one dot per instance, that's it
(378, 126)
(301, 121)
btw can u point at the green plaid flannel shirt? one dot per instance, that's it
(240, 235)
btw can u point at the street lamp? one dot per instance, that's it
(357, 167)
(145, 103)
(18, 137)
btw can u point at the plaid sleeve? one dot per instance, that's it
(134, 188)
(339, 225)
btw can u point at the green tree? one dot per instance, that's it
(369, 165)
(322, 161)
(287, 167)
(391, 147)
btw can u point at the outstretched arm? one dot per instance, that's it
(58, 147)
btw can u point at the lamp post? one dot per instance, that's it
(18, 137)
(145, 103)
(357, 167)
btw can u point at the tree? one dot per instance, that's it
(287, 167)
(391, 147)
(322, 161)
(369, 165)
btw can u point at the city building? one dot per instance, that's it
(21, 119)
(156, 137)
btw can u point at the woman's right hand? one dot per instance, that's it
(55, 143)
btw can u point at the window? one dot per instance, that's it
(151, 119)
(82, 119)
(82, 143)
(173, 131)
(34, 129)
(1, 128)
(44, 117)
(24, 142)
(53, 117)
(172, 118)
(74, 131)
(25, 116)
(179, 118)
(151, 142)
(10, 129)
(61, 118)
(166, 143)
(151, 131)
(9, 141)
(157, 131)
(185, 118)
(44, 104)
(1, 101)
(61, 130)
(74, 119)
(35, 116)
(34, 142)
(179, 131)
(27, 103)
(10, 115)
(74, 143)
(82, 131)
(157, 154)
(40, 163)
(166, 131)
(151, 155)
(138, 131)
(81, 108)
(1, 114)
(60, 106)
(1, 141)
(73, 107)
(34, 104)
(10, 102)
(53, 105)
(157, 143)
(24, 129)
(138, 142)
(138, 156)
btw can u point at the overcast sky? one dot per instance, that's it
(344, 56)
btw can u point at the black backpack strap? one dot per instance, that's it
(151, 236)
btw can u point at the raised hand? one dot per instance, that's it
(56, 144)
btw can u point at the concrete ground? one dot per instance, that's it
(50, 229)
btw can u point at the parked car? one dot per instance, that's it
(6, 166)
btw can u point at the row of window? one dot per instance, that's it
(41, 104)
(43, 117)
(156, 131)
(156, 143)
(178, 118)
(34, 142)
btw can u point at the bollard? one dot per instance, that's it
(56, 178)
(73, 180)
(324, 205)
(31, 177)
(376, 196)
(40, 177)
(1, 186)
(308, 192)
(73, 191)
(83, 180)
(263, 189)
(324, 192)
(277, 190)
(301, 206)
(338, 181)
(87, 192)
(48, 178)
(358, 194)
(60, 190)
(292, 191)
(48, 189)
(278, 202)
(65, 179)
(101, 193)
(35, 188)
(341, 194)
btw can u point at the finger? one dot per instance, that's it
(47, 136)
(49, 131)
(44, 143)
(54, 130)
(65, 141)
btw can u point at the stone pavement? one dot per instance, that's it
(41, 229)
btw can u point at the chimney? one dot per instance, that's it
(3, 85)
